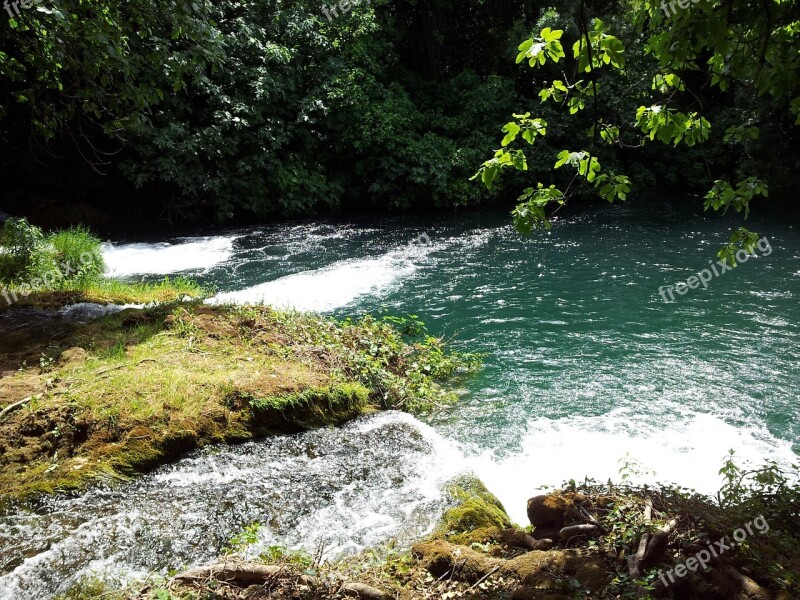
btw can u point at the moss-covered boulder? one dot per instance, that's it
(476, 514)
(441, 558)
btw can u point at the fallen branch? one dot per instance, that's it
(635, 561)
(658, 541)
(577, 530)
(363, 591)
(484, 578)
(239, 573)
(12, 407)
(591, 520)
(651, 547)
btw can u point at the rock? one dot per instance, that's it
(552, 510)
(73, 357)
(442, 558)
(520, 539)
(364, 592)
(541, 570)
(517, 538)
(577, 530)
(544, 545)
(476, 508)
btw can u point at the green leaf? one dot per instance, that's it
(511, 129)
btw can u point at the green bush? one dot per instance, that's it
(18, 242)
(29, 256)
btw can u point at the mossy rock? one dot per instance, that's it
(441, 558)
(476, 513)
(310, 409)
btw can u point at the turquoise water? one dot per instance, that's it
(586, 366)
(586, 369)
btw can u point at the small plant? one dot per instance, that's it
(90, 588)
(630, 468)
(280, 554)
(77, 253)
(49, 358)
(241, 541)
(31, 257)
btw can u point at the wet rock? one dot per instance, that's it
(477, 508)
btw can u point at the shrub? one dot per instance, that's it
(73, 255)
(19, 240)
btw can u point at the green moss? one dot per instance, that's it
(312, 408)
(476, 510)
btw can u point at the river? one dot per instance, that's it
(588, 372)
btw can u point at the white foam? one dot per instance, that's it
(89, 311)
(330, 287)
(164, 258)
(361, 515)
(688, 450)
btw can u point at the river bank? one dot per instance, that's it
(117, 396)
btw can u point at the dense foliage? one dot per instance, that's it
(249, 108)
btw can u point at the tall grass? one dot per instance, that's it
(78, 248)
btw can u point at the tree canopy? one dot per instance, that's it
(749, 53)
(250, 108)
